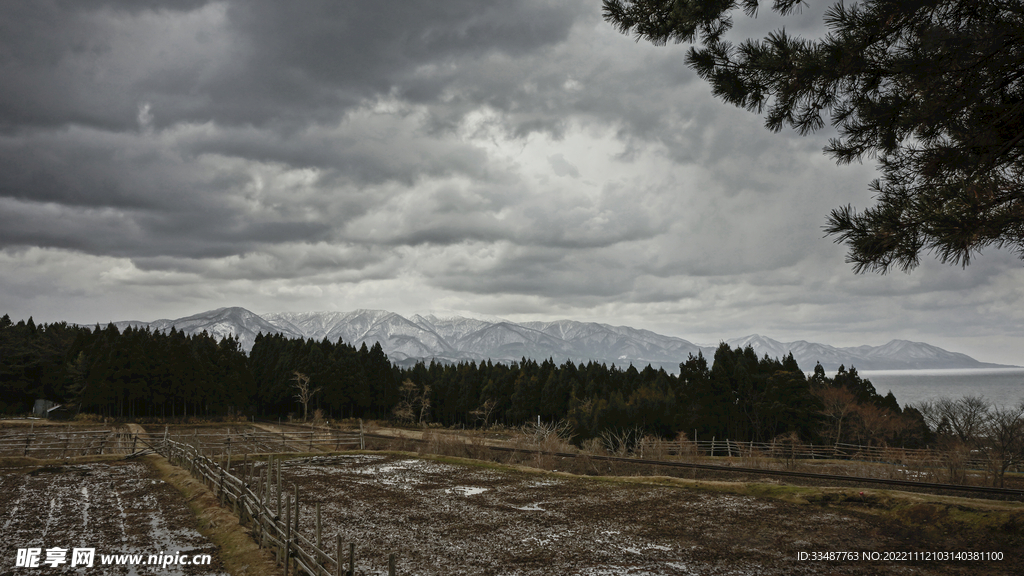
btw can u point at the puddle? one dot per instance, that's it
(466, 490)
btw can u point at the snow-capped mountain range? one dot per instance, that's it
(455, 338)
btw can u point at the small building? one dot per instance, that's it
(59, 412)
(41, 407)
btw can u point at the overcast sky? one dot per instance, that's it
(518, 159)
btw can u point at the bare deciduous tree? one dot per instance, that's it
(837, 403)
(1004, 441)
(484, 411)
(622, 441)
(970, 427)
(963, 419)
(413, 400)
(303, 393)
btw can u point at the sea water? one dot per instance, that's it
(999, 386)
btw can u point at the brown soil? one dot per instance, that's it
(116, 507)
(448, 518)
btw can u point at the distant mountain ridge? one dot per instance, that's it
(456, 338)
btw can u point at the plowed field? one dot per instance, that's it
(442, 518)
(116, 508)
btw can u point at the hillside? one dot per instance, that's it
(455, 338)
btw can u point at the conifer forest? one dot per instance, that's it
(139, 374)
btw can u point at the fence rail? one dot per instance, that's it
(255, 440)
(808, 451)
(932, 473)
(65, 443)
(259, 499)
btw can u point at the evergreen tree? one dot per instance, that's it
(932, 88)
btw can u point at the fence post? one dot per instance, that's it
(279, 496)
(391, 564)
(261, 505)
(265, 483)
(296, 490)
(288, 534)
(351, 559)
(318, 527)
(339, 570)
(265, 487)
(279, 488)
(362, 443)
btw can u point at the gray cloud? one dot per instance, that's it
(515, 158)
(259, 62)
(561, 167)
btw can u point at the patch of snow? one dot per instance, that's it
(466, 490)
(85, 506)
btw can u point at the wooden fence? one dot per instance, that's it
(51, 442)
(260, 501)
(65, 442)
(251, 440)
(258, 497)
(62, 442)
(802, 451)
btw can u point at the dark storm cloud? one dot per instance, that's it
(64, 62)
(314, 59)
(547, 272)
(200, 116)
(123, 110)
(126, 195)
(248, 62)
(367, 150)
(511, 157)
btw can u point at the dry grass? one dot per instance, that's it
(25, 424)
(239, 553)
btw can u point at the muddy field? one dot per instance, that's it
(116, 507)
(442, 518)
